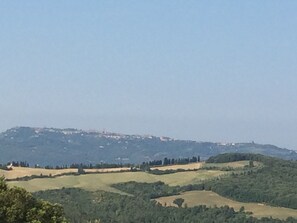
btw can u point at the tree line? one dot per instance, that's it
(166, 161)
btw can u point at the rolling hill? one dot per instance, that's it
(51, 146)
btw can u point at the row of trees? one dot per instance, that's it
(3, 167)
(18, 163)
(146, 166)
(194, 159)
(99, 166)
(167, 161)
(73, 165)
(164, 162)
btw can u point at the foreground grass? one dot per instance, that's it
(104, 181)
(211, 199)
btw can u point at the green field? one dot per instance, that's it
(236, 164)
(104, 181)
(209, 198)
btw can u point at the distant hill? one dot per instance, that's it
(51, 146)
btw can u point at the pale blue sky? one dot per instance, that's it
(202, 70)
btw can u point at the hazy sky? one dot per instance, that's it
(203, 70)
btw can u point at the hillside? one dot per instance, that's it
(84, 206)
(50, 146)
(236, 196)
(256, 188)
(274, 184)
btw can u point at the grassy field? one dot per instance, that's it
(190, 166)
(104, 181)
(105, 178)
(209, 198)
(25, 171)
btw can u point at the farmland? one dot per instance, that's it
(108, 180)
(211, 199)
(103, 181)
(190, 166)
(18, 172)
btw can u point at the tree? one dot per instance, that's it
(166, 161)
(17, 205)
(179, 202)
(241, 209)
(80, 170)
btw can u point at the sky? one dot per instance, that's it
(220, 71)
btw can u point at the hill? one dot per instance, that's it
(208, 197)
(84, 206)
(211, 199)
(51, 146)
(274, 184)
(261, 185)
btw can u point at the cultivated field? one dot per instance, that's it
(194, 166)
(209, 198)
(103, 181)
(25, 171)
(109, 176)
(190, 166)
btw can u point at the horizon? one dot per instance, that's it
(104, 131)
(206, 71)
